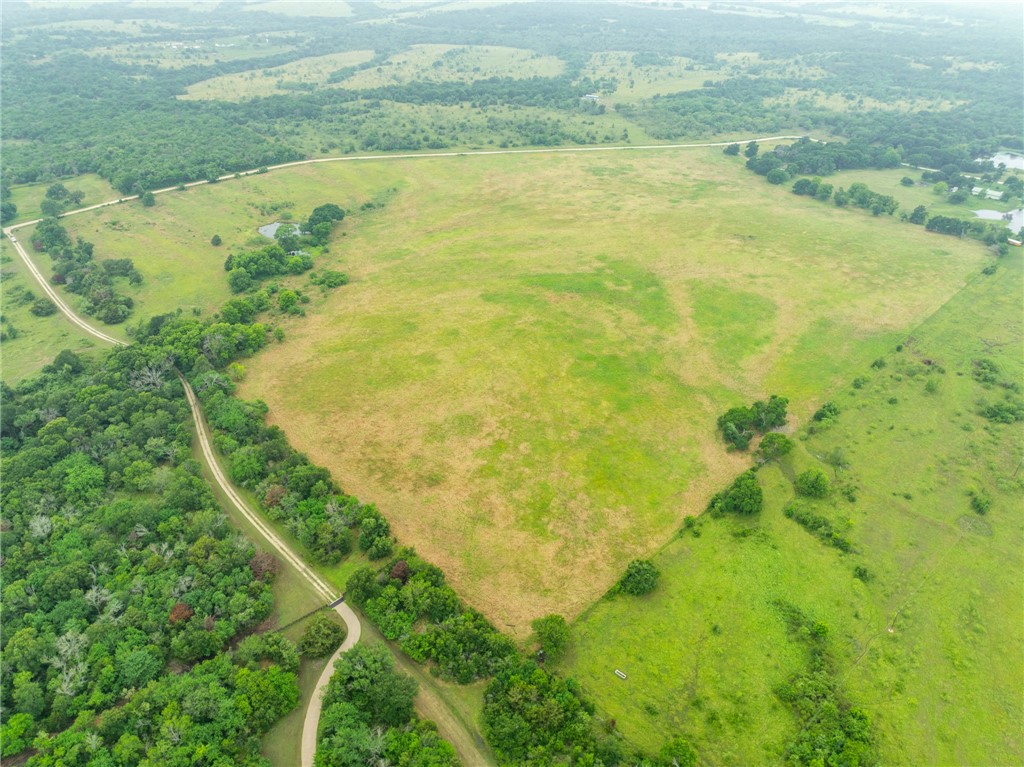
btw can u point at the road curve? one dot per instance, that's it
(312, 719)
(53, 295)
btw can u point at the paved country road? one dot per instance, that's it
(428, 703)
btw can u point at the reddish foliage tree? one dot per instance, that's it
(275, 494)
(181, 612)
(400, 571)
(264, 566)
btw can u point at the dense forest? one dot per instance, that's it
(124, 586)
(74, 111)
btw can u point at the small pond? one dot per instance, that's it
(270, 230)
(1007, 159)
(1014, 218)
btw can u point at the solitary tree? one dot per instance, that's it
(812, 483)
(552, 633)
(641, 577)
(321, 637)
(774, 445)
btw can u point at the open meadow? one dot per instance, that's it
(29, 341)
(526, 371)
(927, 640)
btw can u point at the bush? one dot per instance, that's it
(43, 307)
(322, 637)
(552, 633)
(813, 483)
(743, 496)
(641, 577)
(980, 502)
(774, 445)
(827, 411)
(215, 240)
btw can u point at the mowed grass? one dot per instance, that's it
(38, 339)
(929, 645)
(527, 369)
(255, 83)
(455, 63)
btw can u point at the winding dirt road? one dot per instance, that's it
(312, 718)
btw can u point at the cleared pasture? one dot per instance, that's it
(36, 340)
(313, 71)
(28, 197)
(455, 63)
(636, 82)
(526, 372)
(928, 643)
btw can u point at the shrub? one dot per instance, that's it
(215, 240)
(980, 502)
(774, 445)
(743, 496)
(812, 483)
(43, 307)
(322, 637)
(826, 411)
(552, 634)
(641, 577)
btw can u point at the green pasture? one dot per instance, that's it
(909, 197)
(28, 197)
(455, 63)
(526, 370)
(644, 81)
(189, 52)
(857, 102)
(312, 72)
(929, 645)
(37, 340)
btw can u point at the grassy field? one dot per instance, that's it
(255, 83)
(37, 340)
(909, 197)
(929, 645)
(28, 197)
(526, 371)
(326, 8)
(642, 82)
(851, 103)
(455, 63)
(175, 55)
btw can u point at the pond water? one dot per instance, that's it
(1014, 218)
(1007, 159)
(269, 230)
